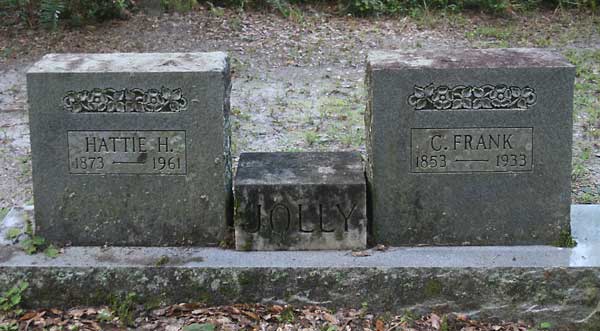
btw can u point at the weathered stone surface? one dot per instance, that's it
(131, 149)
(300, 201)
(14, 221)
(532, 283)
(469, 147)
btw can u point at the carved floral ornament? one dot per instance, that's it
(125, 101)
(442, 97)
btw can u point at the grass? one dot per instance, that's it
(344, 119)
(487, 32)
(25, 165)
(528, 29)
(311, 137)
(3, 212)
(123, 306)
(586, 112)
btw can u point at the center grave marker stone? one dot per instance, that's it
(469, 146)
(300, 201)
(131, 149)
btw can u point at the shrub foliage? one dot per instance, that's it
(48, 13)
(75, 12)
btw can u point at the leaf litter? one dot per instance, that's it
(199, 317)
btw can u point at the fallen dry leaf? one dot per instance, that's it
(251, 315)
(360, 253)
(435, 321)
(381, 248)
(330, 318)
(28, 315)
(276, 309)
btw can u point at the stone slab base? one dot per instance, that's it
(532, 283)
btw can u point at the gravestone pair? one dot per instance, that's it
(464, 147)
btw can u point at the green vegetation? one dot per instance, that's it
(444, 324)
(31, 243)
(579, 169)
(162, 261)
(586, 103)
(104, 315)
(311, 138)
(433, 288)
(566, 239)
(199, 327)
(181, 6)
(287, 315)
(49, 13)
(345, 119)
(586, 112)
(495, 7)
(10, 300)
(3, 212)
(123, 307)
(9, 326)
(487, 32)
(408, 318)
(13, 233)
(51, 251)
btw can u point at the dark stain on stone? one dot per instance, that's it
(6, 253)
(170, 63)
(75, 63)
(106, 257)
(469, 58)
(142, 157)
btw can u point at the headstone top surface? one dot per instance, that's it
(466, 58)
(131, 62)
(288, 168)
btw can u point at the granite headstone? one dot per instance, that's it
(131, 149)
(469, 147)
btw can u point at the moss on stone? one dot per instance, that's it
(565, 239)
(278, 275)
(228, 291)
(245, 279)
(162, 261)
(591, 296)
(204, 297)
(153, 302)
(433, 288)
(249, 243)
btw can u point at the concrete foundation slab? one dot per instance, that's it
(532, 283)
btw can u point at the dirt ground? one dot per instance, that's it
(298, 81)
